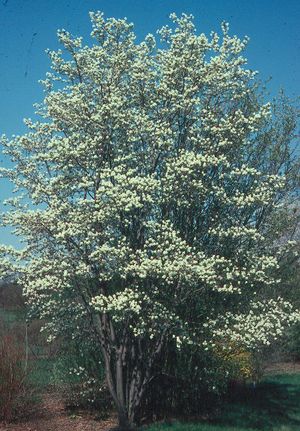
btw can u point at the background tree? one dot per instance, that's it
(149, 194)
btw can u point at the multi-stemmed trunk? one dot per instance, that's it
(129, 364)
(128, 384)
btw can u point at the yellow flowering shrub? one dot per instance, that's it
(239, 361)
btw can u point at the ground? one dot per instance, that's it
(53, 417)
(274, 405)
(283, 367)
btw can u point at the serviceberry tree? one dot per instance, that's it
(142, 195)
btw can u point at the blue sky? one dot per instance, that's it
(28, 27)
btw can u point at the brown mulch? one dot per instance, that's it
(283, 367)
(53, 417)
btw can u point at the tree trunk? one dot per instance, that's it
(127, 406)
(124, 423)
(128, 370)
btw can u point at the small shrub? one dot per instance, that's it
(17, 396)
(240, 363)
(88, 393)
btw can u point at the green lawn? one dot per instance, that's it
(273, 405)
(12, 316)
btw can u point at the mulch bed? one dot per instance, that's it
(283, 367)
(52, 416)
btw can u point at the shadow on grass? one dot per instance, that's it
(273, 404)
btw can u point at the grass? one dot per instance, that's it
(45, 372)
(12, 316)
(274, 405)
(41, 372)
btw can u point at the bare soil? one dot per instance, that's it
(283, 367)
(52, 416)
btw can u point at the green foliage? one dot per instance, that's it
(191, 382)
(41, 372)
(187, 383)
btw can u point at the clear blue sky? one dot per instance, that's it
(28, 27)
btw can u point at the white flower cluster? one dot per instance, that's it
(264, 322)
(148, 317)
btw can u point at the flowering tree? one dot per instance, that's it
(148, 192)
